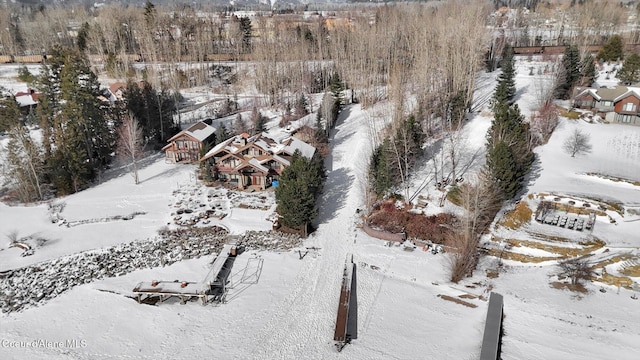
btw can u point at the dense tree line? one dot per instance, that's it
(79, 127)
(509, 155)
(153, 108)
(393, 160)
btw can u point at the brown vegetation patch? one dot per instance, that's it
(255, 207)
(467, 296)
(577, 209)
(508, 255)
(456, 300)
(620, 281)
(563, 285)
(388, 217)
(517, 217)
(633, 271)
(492, 274)
(574, 115)
(615, 178)
(562, 252)
(612, 260)
(546, 237)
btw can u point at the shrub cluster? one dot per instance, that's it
(388, 217)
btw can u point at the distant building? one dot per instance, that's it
(27, 100)
(617, 105)
(118, 89)
(185, 146)
(255, 160)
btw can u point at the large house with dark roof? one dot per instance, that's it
(618, 105)
(256, 160)
(185, 146)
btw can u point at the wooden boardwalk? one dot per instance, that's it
(346, 320)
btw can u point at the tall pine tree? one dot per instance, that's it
(509, 130)
(588, 70)
(630, 72)
(300, 185)
(570, 71)
(506, 90)
(77, 140)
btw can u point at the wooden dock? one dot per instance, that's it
(346, 320)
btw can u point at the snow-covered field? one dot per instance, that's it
(290, 312)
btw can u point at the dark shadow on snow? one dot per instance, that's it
(120, 168)
(336, 189)
(352, 318)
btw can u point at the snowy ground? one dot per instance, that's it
(290, 312)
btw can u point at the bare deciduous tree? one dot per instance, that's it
(131, 142)
(542, 123)
(577, 143)
(23, 166)
(481, 202)
(576, 269)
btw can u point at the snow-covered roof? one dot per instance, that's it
(281, 160)
(221, 146)
(268, 144)
(292, 144)
(25, 100)
(255, 163)
(608, 94)
(199, 131)
(634, 91)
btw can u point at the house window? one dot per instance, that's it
(607, 103)
(625, 118)
(629, 107)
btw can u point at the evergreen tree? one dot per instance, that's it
(154, 109)
(261, 124)
(83, 34)
(630, 71)
(409, 139)
(337, 87)
(258, 121)
(9, 112)
(571, 72)
(48, 84)
(457, 107)
(301, 106)
(222, 134)
(381, 175)
(587, 70)
(149, 13)
(506, 89)
(612, 50)
(76, 137)
(508, 129)
(300, 185)
(320, 133)
(502, 167)
(246, 29)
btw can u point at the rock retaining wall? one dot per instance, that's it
(35, 284)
